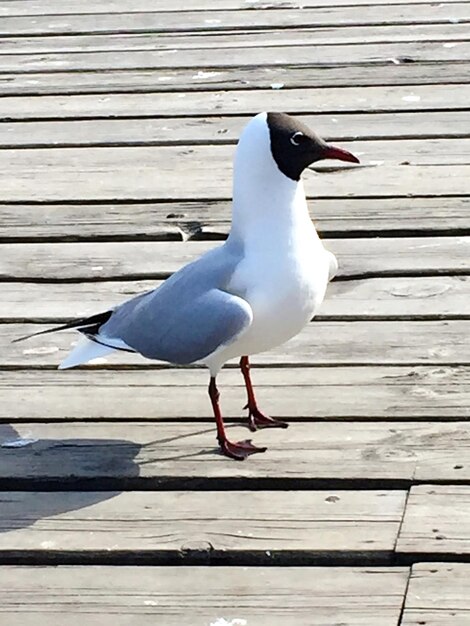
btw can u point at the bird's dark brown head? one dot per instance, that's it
(294, 146)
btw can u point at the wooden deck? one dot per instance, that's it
(118, 120)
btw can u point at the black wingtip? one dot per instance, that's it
(89, 324)
(40, 332)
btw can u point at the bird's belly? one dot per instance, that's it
(282, 304)
(280, 315)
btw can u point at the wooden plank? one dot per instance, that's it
(223, 130)
(107, 174)
(171, 523)
(450, 33)
(379, 298)
(157, 259)
(57, 7)
(296, 101)
(270, 56)
(311, 393)
(438, 595)
(184, 596)
(256, 77)
(431, 13)
(437, 518)
(211, 219)
(320, 343)
(164, 455)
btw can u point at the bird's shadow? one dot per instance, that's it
(90, 470)
(29, 470)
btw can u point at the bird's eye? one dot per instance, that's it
(296, 138)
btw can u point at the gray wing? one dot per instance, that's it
(188, 317)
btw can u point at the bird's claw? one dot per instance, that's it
(258, 420)
(239, 450)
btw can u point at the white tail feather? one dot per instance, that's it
(83, 352)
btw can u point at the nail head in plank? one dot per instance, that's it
(175, 522)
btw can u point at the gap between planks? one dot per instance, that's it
(179, 595)
(333, 101)
(235, 81)
(132, 456)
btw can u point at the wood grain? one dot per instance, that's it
(379, 298)
(157, 259)
(320, 343)
(223, 130)
(171, 21)
(144, 523)
(270, 56)
(450, 33)
(436, 517)
(163, 455)
(438, 595)
(239, 79)
(311, 393)
(184, 596)
(332, 101)
(57, 7)
(200, 219)
(389, 168)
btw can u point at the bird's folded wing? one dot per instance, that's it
(181, 328)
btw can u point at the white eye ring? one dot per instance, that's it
(293, 138)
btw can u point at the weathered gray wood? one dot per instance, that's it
(173, 522)
(437, 517)
(158, 259)
(222, 130)
(129, 173)
(309, 100)
(320, 343)
(185, 596)
(270, 56)
(364, 393)
(56, 7)
(166, 454)
(431, 13)
(211, 219)
(256, 77)
(380, 298)
(438, 595)
(448, 33)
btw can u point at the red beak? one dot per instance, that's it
(338, 153)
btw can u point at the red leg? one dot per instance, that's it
(239, 450)
(257, 419)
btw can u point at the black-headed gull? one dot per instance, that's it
(254, 292)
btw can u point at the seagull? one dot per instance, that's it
(253, 293)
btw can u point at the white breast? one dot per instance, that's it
(284, 288)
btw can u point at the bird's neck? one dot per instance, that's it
(269, 210)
